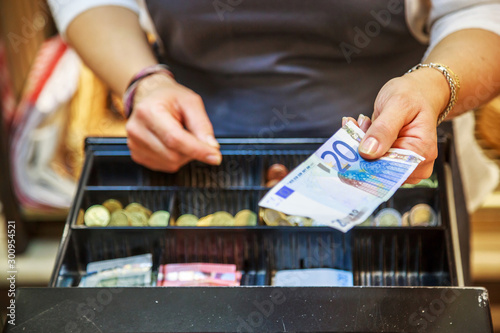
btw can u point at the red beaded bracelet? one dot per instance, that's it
(128, 97)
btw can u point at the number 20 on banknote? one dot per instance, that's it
(337, 155)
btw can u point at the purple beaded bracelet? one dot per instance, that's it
(128, 97)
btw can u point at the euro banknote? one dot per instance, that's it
(336, 187)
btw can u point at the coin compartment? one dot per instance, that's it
(289, 159)
(202, 202)
(406, 198)
(152, 199)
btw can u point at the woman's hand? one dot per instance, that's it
(169, 126)
(405, 116)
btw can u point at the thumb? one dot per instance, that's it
(382, 133)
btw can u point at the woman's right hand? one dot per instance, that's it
(169, 126)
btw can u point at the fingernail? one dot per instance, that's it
(211, 141)
(369, 146)
(344, 121)
(214, 159)
(361, 120)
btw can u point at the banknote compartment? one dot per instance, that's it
(153, 199)
(376, 257)
(401, 257)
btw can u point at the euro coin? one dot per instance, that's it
(136, 207)
(299, 221)
(138, 219)
(112, 205)
(120, 218)
(276, 171)
(245, 217)
(187, 220)
(369, 222)
(405, 219)
(388, 217)
(97, 216)
(159, 219)
(79, 218)
(205, 221)
(422, 215)
(222, 219)
(273, 218)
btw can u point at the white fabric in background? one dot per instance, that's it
(480, 175)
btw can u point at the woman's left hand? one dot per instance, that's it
(405, 116)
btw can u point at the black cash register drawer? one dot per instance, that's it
(396, 256)
(399, 272)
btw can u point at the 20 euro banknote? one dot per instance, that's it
(336, 187)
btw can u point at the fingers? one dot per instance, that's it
(146, 149)
(364, 122)
(174, 137)
(196, 119)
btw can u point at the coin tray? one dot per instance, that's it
(388, 256)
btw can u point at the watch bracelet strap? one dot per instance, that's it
(453, 83)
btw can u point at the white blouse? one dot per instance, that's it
(429, 21)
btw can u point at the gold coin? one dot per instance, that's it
(205, 221)
(273, 217)
(222, 219)
(388, 217)
(368, 222)
(245, 217)
(120, 218)
(159, 218)
(187, 220)
(405, 219)
(79, 218)
(299, 221)
(96, 216)
(136, 207)
(138, 219)
(112, 205)
(422, 215)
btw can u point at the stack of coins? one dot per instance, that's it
(111, 213)
(275, 174)
(274, 218)
(244, 217)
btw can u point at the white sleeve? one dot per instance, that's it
(64, 11)
(449, 16)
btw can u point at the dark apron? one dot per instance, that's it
(290, 68)
(284, 68)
